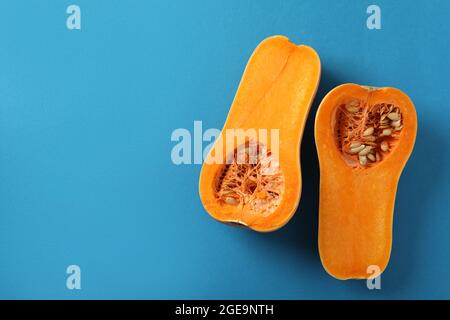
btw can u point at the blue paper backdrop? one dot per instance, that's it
(86, 176)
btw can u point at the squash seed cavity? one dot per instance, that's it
(366, 134)
(251, 179)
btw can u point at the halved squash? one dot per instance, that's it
(273, 100)
(364, 137)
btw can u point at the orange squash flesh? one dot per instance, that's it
(275, 92)
(357, 197)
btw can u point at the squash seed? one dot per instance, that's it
(394, 116)
(368, 132)
(352, 109)
(365, 151)
(230, 200)
(357, 149)
(363, 128)
(370, 138)
(396, 123)
(355, 145)
(363, 160)
(354, 103)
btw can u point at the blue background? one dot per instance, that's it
(86, 176)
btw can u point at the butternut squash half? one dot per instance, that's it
(364, 137)
(273, 101)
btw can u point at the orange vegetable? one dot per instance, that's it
(275, 93)
(364, 137)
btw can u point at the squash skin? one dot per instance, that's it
(276, 92)
(357, 205)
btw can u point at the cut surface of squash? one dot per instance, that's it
(255, 181)
(364, 137)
